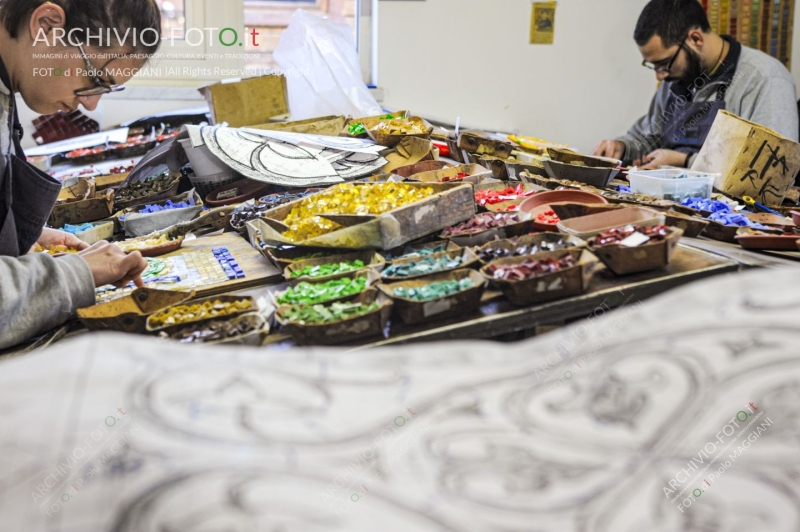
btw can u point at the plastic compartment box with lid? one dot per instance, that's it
(670, 184)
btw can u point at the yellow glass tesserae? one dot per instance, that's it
(375, 199)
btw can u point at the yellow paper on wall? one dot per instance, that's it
(543, 22)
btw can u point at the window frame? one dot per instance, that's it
(229, 13)
(269, 13)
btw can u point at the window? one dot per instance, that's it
(173, 17)
(271, 17)
(184, 60)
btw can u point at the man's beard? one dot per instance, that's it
(693, 71)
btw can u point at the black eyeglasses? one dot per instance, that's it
(660, 69)
(100, 86)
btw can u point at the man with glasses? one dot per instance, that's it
(701, 73)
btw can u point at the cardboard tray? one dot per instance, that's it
(350, 330)
(171, 191)
(448, 246)
(255, 338)
(369, 122)
(452, 204)
(548, 287)
(131, 151)
(596, 177)
(723, 233)
(237, 192)
(524, 227)
(417, 168)
(626, 260)
(496, 165)
(130, 313)
(455, 152)
(138, 224)
(473, 142)
(110, 180)
(372, 260)
(477, 174)
(390, 141)
(756, 240)
(372, 280)
(500, 207)
(589, 226)
(508, 244)
(100, 206)
(691, 226)
(468, 259)
(330, 126)
(568, 157)
(162, 249)
(169, 329)
(103, 230)
(464, 302)
(514, 170)
(283, 257)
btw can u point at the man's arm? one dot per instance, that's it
(39, 292)
(646, 135)
(772, 103)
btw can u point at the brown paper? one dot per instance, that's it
(325, 125)
(248, 102)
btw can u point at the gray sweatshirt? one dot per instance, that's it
(37, 291)
(762, 91)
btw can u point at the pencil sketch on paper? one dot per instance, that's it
(292, 159)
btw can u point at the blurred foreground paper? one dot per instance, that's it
(320, 61)
(543, 23)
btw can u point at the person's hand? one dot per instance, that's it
(54, 237)
(610, 148)
(110, 265)
(658, 158)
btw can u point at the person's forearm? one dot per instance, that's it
(39, 292)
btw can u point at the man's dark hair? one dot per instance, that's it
(94, 16)
(671, 20)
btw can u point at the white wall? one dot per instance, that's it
(444, 58)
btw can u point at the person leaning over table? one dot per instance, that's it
(37, 291)
(701, 73)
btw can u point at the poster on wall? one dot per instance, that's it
(543, 22)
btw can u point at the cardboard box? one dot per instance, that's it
(100, 205)
(752, 160)
(248, 102)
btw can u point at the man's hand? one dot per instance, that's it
(610, 148)
(54, 237)
(110, 265)
(663, 158)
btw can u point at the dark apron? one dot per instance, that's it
(688, 130)
(27, 196)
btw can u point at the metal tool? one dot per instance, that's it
(753, 203)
